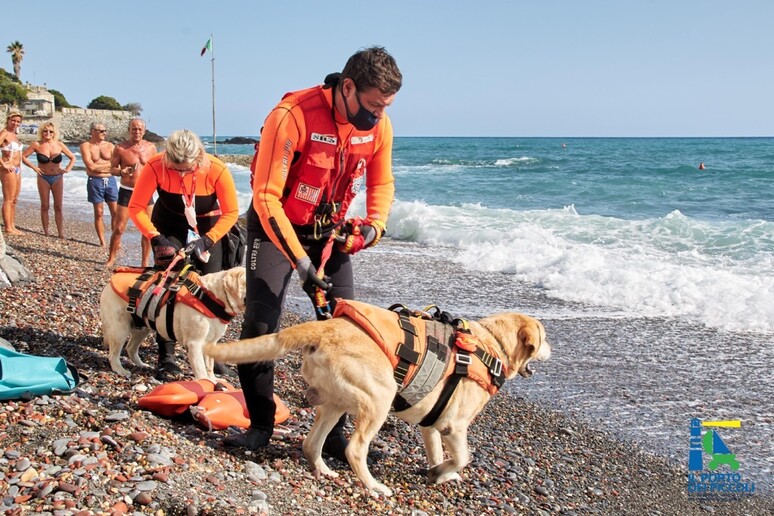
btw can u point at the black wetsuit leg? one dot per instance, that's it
(268, 275)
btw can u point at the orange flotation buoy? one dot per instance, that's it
(219, 410)
(174, 398)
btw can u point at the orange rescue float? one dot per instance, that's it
(214, 406)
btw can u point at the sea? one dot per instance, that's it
(654, 278)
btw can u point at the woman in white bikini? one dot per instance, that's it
(49, 151)
(10, 170)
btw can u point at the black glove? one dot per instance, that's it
(164, 250)
(308, 275)
(199, 247)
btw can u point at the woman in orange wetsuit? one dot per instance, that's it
(318, 146)
(197, 205)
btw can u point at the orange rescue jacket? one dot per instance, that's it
(309, 166)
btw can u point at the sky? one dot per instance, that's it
(547, 68)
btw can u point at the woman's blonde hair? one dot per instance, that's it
(184, 146)
(12, 113)
(52, 126)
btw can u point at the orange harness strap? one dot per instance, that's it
(136, 286)
(406, 341)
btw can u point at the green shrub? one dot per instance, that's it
(11, 92)
(59, 100)
(104, 102)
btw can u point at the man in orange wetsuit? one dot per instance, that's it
(317, 148)
(197, 205)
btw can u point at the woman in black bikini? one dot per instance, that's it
(49, 150)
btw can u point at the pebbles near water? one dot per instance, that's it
(94, 452)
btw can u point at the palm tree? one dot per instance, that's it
(16, 50)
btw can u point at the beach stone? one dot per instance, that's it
(28, 475)
(541, 490)
(254, 471)
(117, 416)
(148, 485)
(159, 459)
(13, 273)
(143, 499)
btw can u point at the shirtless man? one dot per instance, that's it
(101, 186)
(128, 159)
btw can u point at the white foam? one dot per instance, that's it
(717, 273)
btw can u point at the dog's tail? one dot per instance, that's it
(260, 349)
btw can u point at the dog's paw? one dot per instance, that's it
(380, 489)
(121, 371)
(324, 470)
(438, 474)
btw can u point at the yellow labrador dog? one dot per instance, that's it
(347, 371)
(192, 328)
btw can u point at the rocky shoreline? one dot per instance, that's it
(95, 452)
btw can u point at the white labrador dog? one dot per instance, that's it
(192, 328)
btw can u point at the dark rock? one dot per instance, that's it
(153, 137)
(239, 140)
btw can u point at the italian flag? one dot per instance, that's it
(207, 46)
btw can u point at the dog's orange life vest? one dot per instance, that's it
(146, 295)
(424, 352)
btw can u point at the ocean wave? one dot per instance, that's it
(717, 273)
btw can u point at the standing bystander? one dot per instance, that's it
(10, 169)
(50, 152)
(128, 159)
(101, 186)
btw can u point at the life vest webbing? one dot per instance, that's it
(212, 304)
(443, 399)
(145, 306)
(463, 360)
(406, 353)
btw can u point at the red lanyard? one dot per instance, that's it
(188, 200)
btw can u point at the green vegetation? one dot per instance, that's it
(104, 102)
(11, 91)
(59, 100)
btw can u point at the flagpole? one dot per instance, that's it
(214, 137)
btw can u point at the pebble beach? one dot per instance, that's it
(94, 451)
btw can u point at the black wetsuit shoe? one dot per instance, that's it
(252, 438)
(168, 371)
(335, 445)
(222, 369)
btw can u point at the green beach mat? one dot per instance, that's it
(29, 375)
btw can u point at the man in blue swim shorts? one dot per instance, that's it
(101, 186)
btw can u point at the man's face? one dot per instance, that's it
(99, 133)
(136, 131)
(372, 99)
